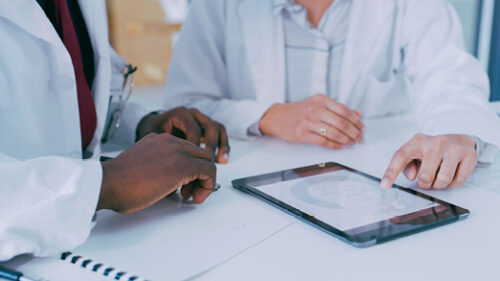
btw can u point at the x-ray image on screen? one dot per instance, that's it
(345, 199)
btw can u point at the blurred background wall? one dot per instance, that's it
(469, 12)
(480, 21)
(494, 64)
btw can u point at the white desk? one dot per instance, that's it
(466, 250)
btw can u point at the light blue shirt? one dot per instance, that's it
(313, 55)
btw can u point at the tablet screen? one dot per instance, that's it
(345, 199)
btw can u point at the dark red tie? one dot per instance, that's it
(63, 23)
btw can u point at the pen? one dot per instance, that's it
(12, 275)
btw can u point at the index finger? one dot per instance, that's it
(195, 151)
(210, 129)
(224, 148)
(344, 112)
(401, 158)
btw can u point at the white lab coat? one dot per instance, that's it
(48, 194)
(400, 55)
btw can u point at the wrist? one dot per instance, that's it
(266, 122)
(107, 187)
(148, 124)
(469, 141)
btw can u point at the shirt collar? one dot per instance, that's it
(292, 6)
(280, 5)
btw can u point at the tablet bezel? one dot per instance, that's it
(362, 236)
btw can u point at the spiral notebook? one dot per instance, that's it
(103, 270)
(54, 269)
(173, 240)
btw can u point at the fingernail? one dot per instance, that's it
(406, 172)
(203, 145)
(409, 173)
(225, 156)
(385, 183)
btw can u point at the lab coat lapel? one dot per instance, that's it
(367, 20)
(31, 19)
(94, 13)
(29, 16)
(264, 43)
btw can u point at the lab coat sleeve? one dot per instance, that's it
(134, 109)
(198, 76)
(46, 204)
(451, 88)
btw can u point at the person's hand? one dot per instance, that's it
(437, 161)
(192, 125)
(153, 168)
(315, 120)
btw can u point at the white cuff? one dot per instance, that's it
(254, 130)
(485, 151)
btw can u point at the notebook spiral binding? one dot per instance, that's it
(100, 268)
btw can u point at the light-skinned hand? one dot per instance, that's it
(303, 121)
(436, 161)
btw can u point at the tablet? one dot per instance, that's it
(349, 204)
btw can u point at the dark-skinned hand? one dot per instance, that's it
(151, 169)
(191, 125)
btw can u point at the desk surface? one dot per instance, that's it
(466, 250)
